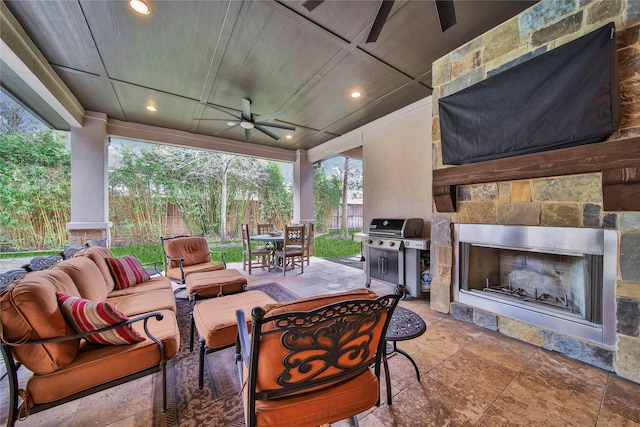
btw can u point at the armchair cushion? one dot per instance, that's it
(345, 399)
(87, 316)
(127, 271)
(272, 351)
(193, 249)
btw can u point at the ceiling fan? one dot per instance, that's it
(249, 121)
(446, 15)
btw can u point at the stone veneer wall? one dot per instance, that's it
(564, 201)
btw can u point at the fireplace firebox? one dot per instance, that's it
(562, 279)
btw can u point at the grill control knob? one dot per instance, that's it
(369, 241)
(380, 243)
(392, 244)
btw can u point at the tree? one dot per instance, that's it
(35, 189)
(205, 186)
(327, 192)
(276, 200)
(345, 199)
(15, 119)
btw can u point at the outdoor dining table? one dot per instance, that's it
(277, 242)
(268, 238)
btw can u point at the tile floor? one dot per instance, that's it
(470, 376)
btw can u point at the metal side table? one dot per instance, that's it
(404, 325)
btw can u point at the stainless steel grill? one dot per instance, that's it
(394, 252)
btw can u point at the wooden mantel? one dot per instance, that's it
(618, 161)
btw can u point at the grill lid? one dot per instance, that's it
(398, 228)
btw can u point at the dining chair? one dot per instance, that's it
(309, 241)
(264, 228)
(249, 253)
(309, 362)
(292, 248)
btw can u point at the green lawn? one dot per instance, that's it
(329, 245)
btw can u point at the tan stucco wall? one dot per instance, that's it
(396, 157)
(397, 166)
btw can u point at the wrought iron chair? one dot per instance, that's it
(249, 253)
(292, 248)
(188, 254)
(308, 362)
(42, 262)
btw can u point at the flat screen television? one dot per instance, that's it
(565, 97)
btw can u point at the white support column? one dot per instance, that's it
(302, 189)
(90, 181)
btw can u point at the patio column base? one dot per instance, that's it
(93, 233)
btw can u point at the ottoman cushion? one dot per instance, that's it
(215, 283)
(215, 318)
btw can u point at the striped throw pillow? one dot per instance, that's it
(127, 271)
(85, 316)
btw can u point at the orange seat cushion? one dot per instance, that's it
(215, 283)
(174, 273)
(95, 365)
(331, 404)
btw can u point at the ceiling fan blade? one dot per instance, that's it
(247, 135)
(311, 4)
(266, 132)
(276, 125)
(221, 109)
(246, 109)
(446, 14)
(269, 116)
(381, 18)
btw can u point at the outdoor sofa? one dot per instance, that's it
(41, 316)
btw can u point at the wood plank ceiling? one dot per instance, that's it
(188, 57)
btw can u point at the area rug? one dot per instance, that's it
(218, 403)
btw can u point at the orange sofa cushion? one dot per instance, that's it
(29, 311)
(95, 365)
(87, 277)
(98, 254)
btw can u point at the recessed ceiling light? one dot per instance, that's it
(151, 108)
(355, 94)
(288, 136)
(140, 6)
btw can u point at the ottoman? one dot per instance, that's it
(215, 320)
(211, 284)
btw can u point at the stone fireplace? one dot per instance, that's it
(592, 189)
(557, 278)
